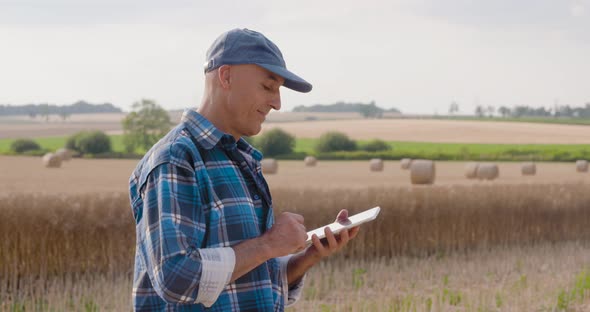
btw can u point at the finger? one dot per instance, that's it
(299, 218)
(318, 245)
(342, 217)
(332, 243)
(343, 238)
(301, 248)
(353, 232)
(302, 227)
(304, 238)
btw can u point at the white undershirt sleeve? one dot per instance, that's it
(293, 293)
(218, 267)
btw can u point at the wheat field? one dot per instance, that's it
(513, 244)
(58, 249)
(545, 277)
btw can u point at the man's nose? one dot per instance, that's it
(276, 102)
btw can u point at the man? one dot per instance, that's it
(206, 235)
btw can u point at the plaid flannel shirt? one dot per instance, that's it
(194, 195)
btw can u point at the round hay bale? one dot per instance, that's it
(487, 171)
(582, 166)
(405, 163)
(422, 171)
(64, 153)
(51, 160)
(376, 164)
(528, 168)
(471, 170)
(310, 161)
(269, 166)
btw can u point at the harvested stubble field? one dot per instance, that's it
(441, 131)
(68, 239)
(27, 174)
(24, 127)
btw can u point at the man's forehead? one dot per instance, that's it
(272, 76)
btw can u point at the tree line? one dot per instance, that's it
(44, 109)
(367, 110)
(528, 111)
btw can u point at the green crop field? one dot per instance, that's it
(460, 151)
(435, 151)
(54, 143)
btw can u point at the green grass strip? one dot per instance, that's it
(435, 151)
(53, 143)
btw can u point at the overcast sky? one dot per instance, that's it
(415, 55)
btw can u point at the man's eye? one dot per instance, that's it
(267, 88)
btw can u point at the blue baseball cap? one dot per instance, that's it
(245, 46)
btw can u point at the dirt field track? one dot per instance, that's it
(27, 174)
(442, 131)
(24, 127)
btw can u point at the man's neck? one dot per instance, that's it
(215, 116)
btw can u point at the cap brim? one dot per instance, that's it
(292, 81)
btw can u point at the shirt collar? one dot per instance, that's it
(208, 136)
(248, 148)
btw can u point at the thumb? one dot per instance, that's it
(342, 217)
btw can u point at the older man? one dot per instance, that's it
(207, 239)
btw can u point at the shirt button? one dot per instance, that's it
(256, 197)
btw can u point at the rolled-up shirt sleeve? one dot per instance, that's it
(290, 293)
(217, 268)
(173, 227)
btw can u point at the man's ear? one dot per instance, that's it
(223, 74)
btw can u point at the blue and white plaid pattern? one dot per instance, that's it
(190, 192)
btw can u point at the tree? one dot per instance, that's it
(453, 108)
(335, 141)
(479, 111)
(504, 111)
(275, 142)
(145, 125)
(520, 111)
(89, 142)
(45, 111)
(491, 110)
(94, 142)
(370, 110)
(24, 145)
(376, 145)
(32, 114)
(64, 114)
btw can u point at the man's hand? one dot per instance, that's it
(287, 235)
(331, 244)
(300, 263)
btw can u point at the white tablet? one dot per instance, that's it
(357, 219)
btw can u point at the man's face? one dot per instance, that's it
(253, 93)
